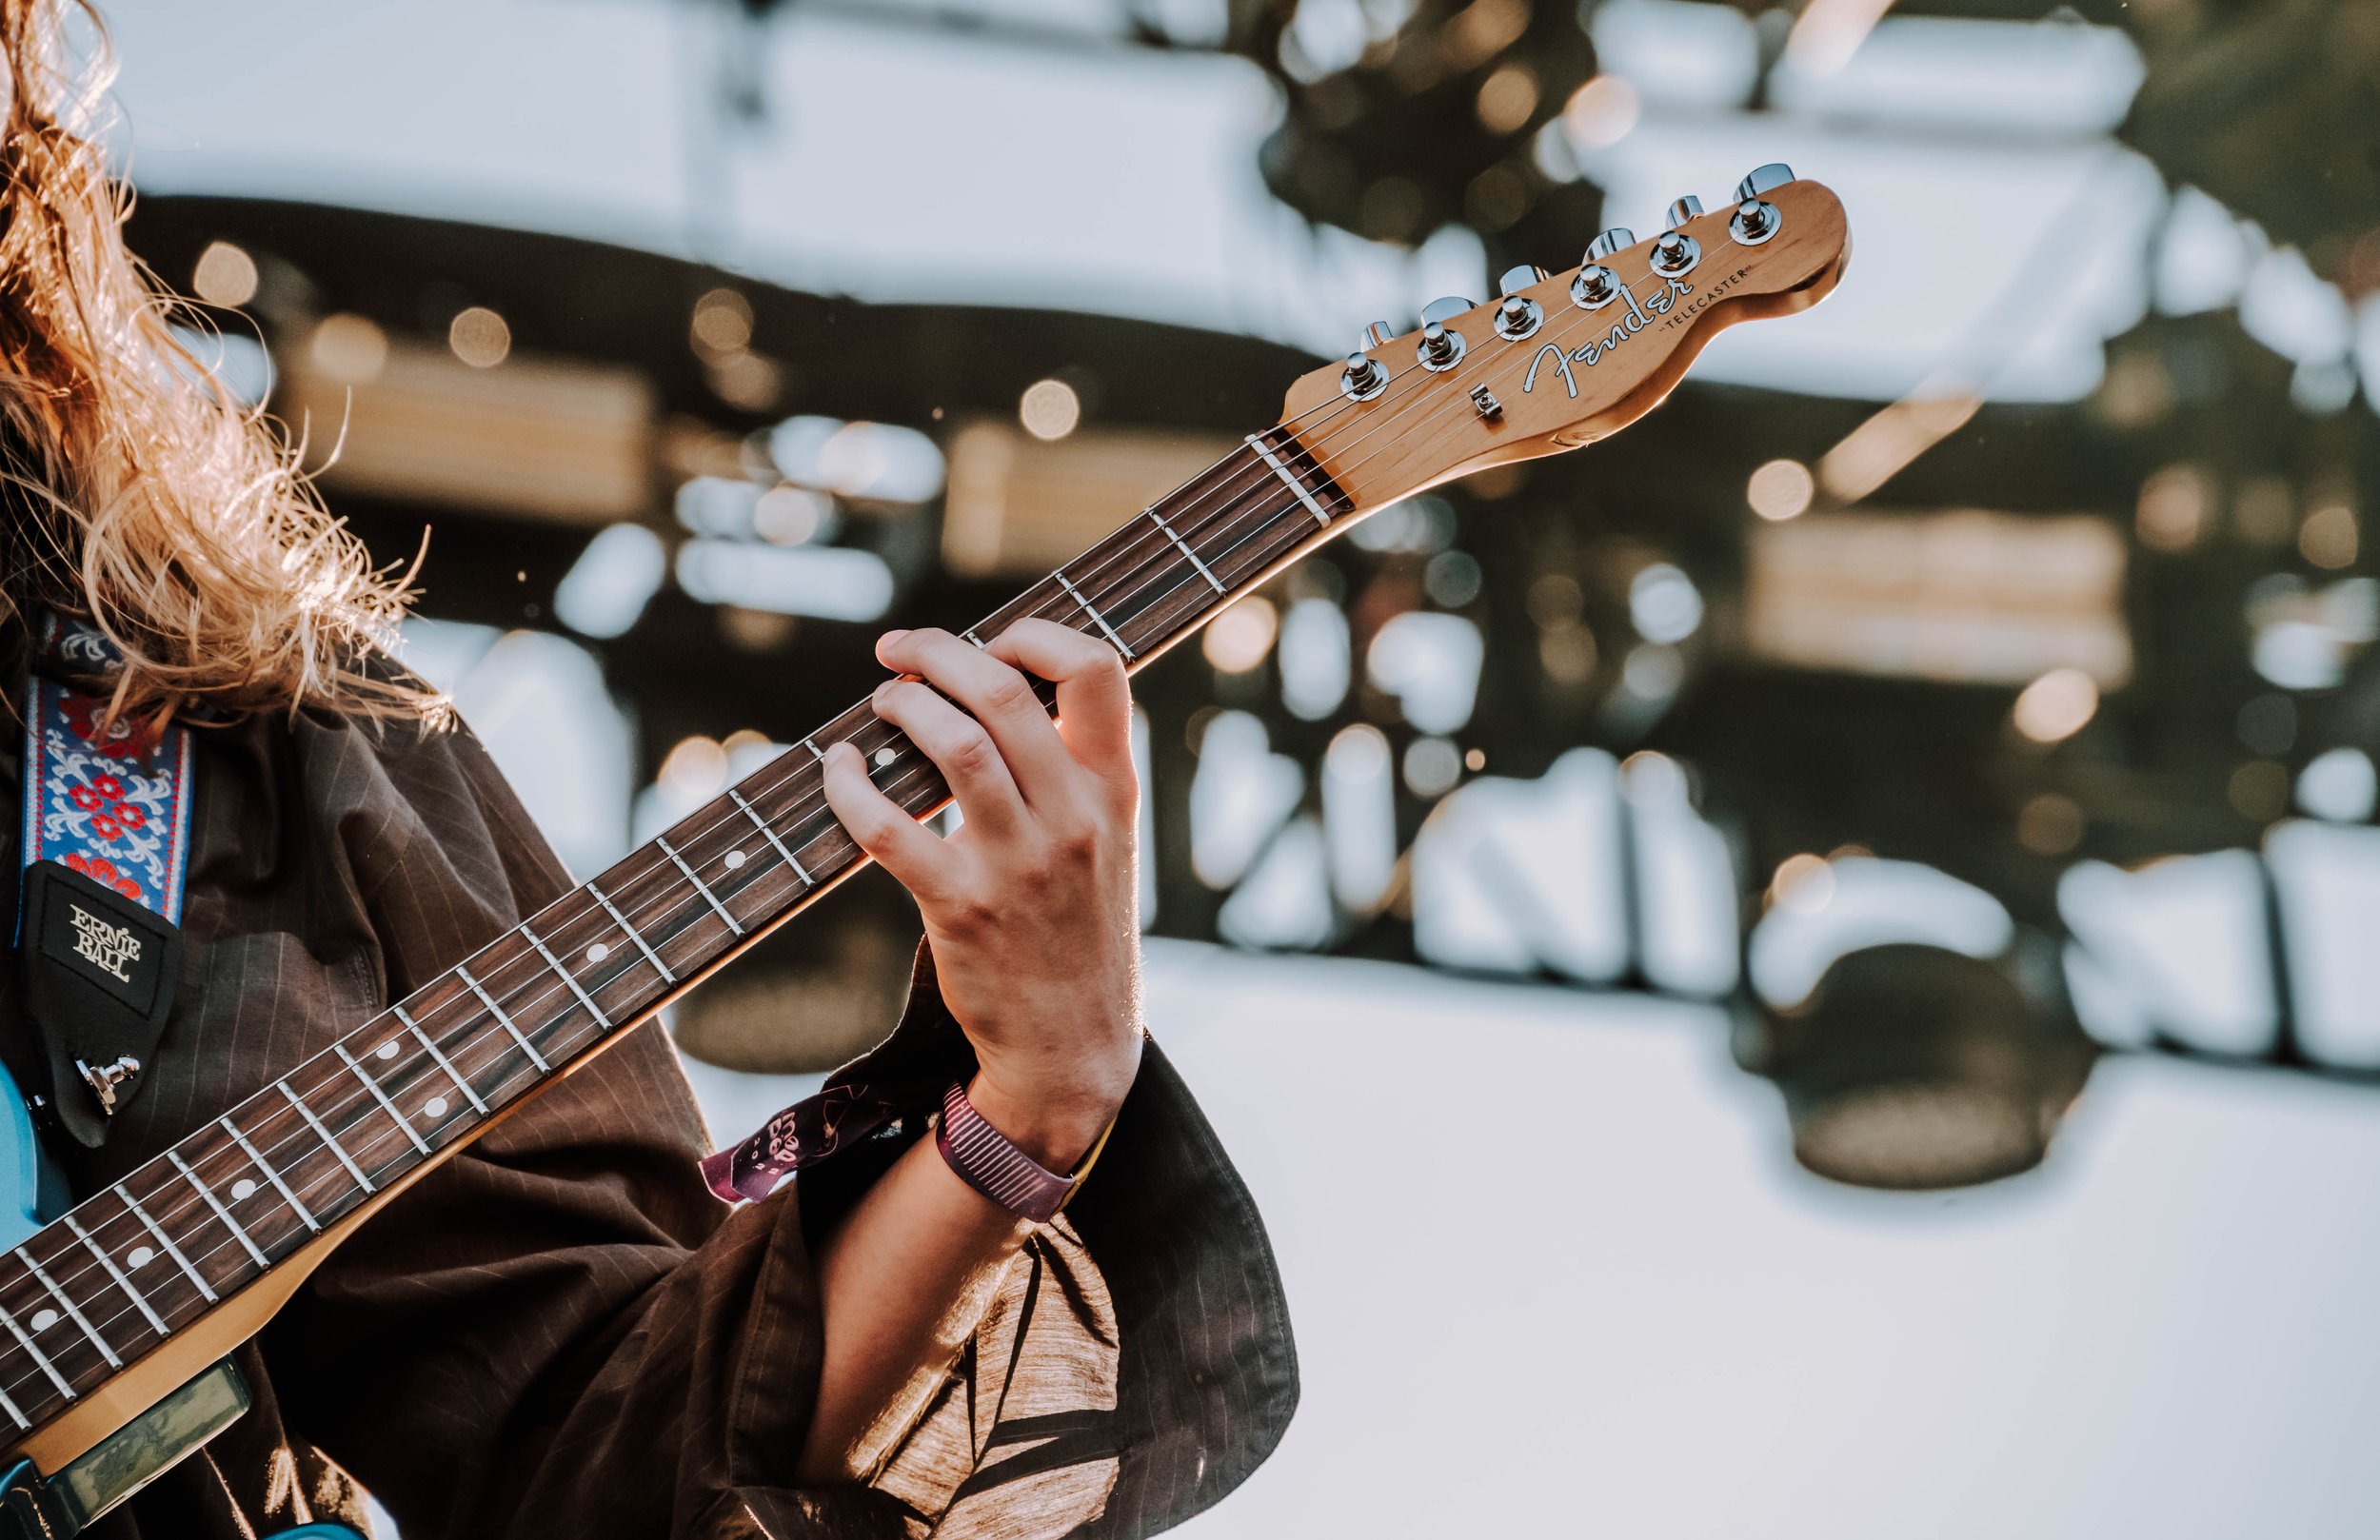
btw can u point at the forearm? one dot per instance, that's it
(903, 1280)
(1029, 910)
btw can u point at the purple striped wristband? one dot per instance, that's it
(986, 1162)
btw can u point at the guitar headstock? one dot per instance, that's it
(1562, 360)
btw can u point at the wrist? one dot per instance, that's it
(1055, 1129)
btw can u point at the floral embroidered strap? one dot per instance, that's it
(111, 802)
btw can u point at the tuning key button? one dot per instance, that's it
(1594, 288)
(1363, 378)
(1375, 335)
(1516, 279)
(1684, 209)
(1443, 310)
(1618, 238)
(1763, 180)
(1675, 254)
(1753, 221)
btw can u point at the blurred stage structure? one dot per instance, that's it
(1996, 737)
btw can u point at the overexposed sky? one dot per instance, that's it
(901, 164)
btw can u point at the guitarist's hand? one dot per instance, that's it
(1031, 906)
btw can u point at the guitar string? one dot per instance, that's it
(1136, 558)
(1234, 506)
(263, 1128)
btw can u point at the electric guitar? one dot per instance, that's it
(116, 1317)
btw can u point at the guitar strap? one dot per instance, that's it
(105, 848)
(105, 851)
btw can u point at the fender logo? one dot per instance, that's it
(1624, 327)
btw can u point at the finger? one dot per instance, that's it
(969, 761)
(995, 694)
(916, 858)
(1094, 696)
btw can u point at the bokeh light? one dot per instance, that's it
(2056, 705)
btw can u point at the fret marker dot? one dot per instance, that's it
(388, 1049)
(242, 1189)
(435, 1106)
(44, 1320)
(885, 756)
(598, 952)
(735, 858)
(139, 1257)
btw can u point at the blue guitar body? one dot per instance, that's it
(38, 1506)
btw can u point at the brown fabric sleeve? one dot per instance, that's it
(560, 1332)
(557, 1332)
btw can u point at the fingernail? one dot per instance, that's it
(892, 637)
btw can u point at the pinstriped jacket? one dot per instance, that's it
(561, 1332)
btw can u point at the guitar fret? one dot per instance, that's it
(382, 1096)
(621, 920)
(770, 835)
(167, 1241)
(1256, 442)
(220, 1213)
(39, 1357)
(708, 897)
(568, 977)
(323, 1134)
(1099, 620)
(1181, 545)
(452, 1074)
(72, 1310)
(272, 1175)
(490, 1000)
(443, 1117)
(108, 1265)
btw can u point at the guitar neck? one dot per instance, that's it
(127, 1269)
(1562, 360)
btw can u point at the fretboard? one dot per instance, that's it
(114, 1279)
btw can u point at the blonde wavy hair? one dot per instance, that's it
(135, 492)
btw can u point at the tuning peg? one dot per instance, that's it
(1516, 279)
(1519, 316)
(1755, 222)
(1594, 288)
(1375, 335)
(1763, 180)
(1684, 209)
(1363, 376)
(1441, 347)
(1618, 238)
(1675, 254)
